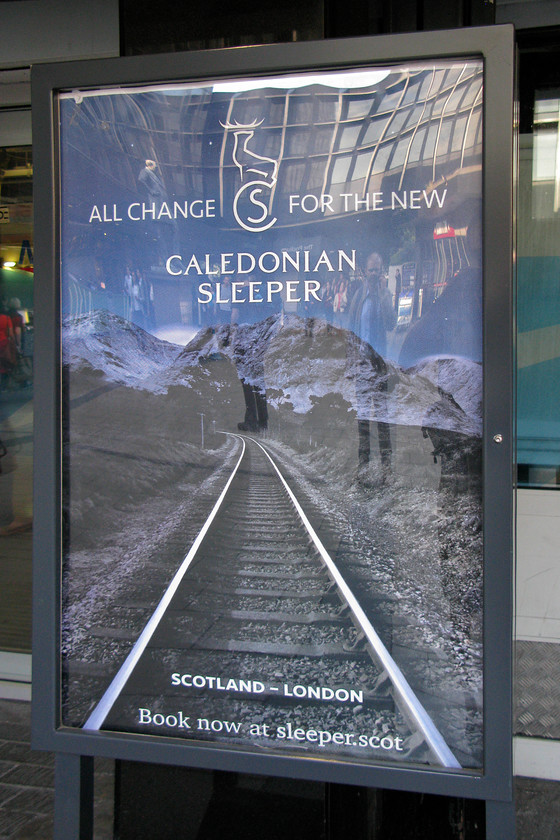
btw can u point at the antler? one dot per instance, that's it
(254, 124)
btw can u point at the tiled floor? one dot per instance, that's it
(27, 782)
(537, 690)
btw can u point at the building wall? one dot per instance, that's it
(47, 30)
(525, 14)
(54, 30)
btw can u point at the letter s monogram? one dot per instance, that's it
(249, 198)
(255, 225)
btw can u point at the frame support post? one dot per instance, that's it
(73, 802)
(500, 820)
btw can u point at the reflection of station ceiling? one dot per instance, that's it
(417, 129)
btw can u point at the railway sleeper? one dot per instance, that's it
(329, 649)
(227, 572)
(305, 575)
(316, 618)
(318, 592)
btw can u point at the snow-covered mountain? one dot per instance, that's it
(457, 376)
(299, 364)
(296, 362)
(121, 351)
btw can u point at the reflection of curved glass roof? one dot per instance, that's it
(416, 127)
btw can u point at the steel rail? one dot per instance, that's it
(412, 705)
(96, 719)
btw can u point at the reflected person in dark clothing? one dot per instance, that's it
(151, 181)
(254, 392)
(452, 325)
(451, 328)
(166, 228)
(370, 316)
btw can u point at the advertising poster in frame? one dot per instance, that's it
(272, 390)
(271, 317)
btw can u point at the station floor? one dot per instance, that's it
(16, 502)
(27, 789)
(27, 782)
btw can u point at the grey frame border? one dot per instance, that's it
(496, 45)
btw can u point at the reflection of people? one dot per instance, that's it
(256, 408)
(458, 457)
(21, 375)
(254, 391)
(127, 289)
(149, 179)
(223, 305)
(18, 325)
(371, 315)
(398, 288)
(452, 326)
(138, 299)
(340, 301)
(7, 348)
(327, 301)
(149, 309)
(233, 318)
(240, 311)
(164, 228)
(127, 281)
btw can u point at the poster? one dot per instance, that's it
(271, 339)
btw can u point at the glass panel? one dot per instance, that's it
(16, 393)
(538, 273)
(375, 130)
(416, 147)
(340, 170)
(349, 136)
(257, 325)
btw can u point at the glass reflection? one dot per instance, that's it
(16, 392)
(316, 290)
(538, 267)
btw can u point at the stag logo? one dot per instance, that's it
(251, 205)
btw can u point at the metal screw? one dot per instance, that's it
(498, 438)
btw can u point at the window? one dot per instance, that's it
(16, 391)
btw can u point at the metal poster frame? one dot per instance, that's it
(495, 46)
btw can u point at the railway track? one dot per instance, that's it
(259, 636)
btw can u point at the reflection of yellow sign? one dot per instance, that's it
(4, 215)
(21, 212)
